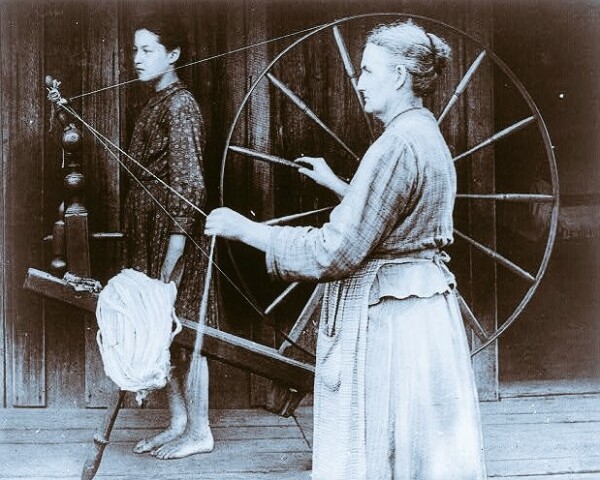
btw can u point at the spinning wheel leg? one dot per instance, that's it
(283, 400)
(92, 462)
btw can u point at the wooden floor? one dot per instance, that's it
(534, 438)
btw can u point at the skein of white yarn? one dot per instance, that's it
(137, 323)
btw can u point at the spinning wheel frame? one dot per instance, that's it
(534, 280)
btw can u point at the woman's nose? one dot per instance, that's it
(359, 84)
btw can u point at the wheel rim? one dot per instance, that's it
(551, 198)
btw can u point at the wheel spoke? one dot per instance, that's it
(496, 137)
(351, 72)
(312, 115)
(497, 257)
(296, 216)
(509, 197)
(266, 157)
(471, 319)
(281, 297)
(308, 310)
(462, 85)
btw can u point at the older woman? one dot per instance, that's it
(394, 390)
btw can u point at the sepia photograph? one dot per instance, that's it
(300, 239)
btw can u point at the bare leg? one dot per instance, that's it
(197, 437)
(178, 412)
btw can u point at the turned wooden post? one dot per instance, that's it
(58, 266)
(76, 215)
(70, 238)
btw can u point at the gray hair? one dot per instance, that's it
(424, 55)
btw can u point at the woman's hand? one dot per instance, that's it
(224, 222)
(322, 174)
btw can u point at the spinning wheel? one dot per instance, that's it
(316, 109)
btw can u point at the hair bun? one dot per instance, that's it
(441, 52)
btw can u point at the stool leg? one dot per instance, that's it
(92, 462)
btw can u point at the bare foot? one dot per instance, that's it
(184, 446)
(170, 434)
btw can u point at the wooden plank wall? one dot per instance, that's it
(482, 214)
(22, 52)
(554, 48)
(65, 339)
(3, 175)
(51, 357)
(102, 23)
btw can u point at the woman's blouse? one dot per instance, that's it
(167, 141)
(399, 202)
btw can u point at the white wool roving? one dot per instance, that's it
(137, 323)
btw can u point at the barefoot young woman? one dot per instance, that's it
(168, 140)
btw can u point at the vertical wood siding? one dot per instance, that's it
(102, 22)
(21, 68)
(63, 31)
(3, 173)
(51, 357)
(482, 214)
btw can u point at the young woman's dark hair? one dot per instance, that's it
(169, 28)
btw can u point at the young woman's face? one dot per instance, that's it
(150, 57)
(378, 80)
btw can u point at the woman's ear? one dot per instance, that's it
(174, 55)
(401, 74)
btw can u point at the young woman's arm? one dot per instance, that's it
(174, 251)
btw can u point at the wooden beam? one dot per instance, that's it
(251, 356)
(222, 346)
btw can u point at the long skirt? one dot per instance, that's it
(422, 413)
(395, 396)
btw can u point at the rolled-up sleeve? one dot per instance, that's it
(375, 202)
(184, 163)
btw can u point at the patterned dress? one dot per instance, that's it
(168, 140)
(395, 396)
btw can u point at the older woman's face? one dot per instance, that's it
(377, 80)
(150, 57)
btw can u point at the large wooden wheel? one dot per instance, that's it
(299, 106)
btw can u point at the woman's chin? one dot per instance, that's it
(146, 78)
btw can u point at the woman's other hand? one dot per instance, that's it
(318, 170)
(321, 173)
(224, 222)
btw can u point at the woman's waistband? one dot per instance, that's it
(425, 254)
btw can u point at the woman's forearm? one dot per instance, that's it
(226, 223)
(256, 235)
(174, 251)
(339, 187)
